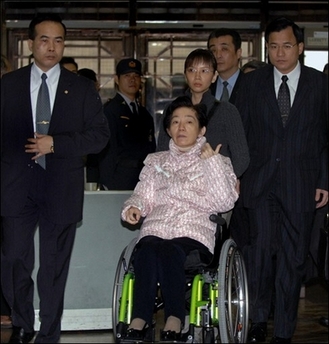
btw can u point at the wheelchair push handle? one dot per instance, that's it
(217, 219)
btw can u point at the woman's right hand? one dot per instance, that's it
(133, 215)
(208, 152)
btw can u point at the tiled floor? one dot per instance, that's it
(311, 309)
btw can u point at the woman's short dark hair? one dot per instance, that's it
(185, 101)
(201, 55)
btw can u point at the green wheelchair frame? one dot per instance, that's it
(218, 310)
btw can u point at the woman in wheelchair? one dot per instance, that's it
(178, 190)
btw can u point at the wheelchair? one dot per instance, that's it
(216, 295)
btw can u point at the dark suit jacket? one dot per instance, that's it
(235, 90)
(78, 127)
(296, 154)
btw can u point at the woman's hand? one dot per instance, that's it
(133, 215)
(208, 152)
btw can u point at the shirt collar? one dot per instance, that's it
(52, 74)
(127, 100)
(293, 76)
(232, 79)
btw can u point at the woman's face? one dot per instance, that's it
(184, 128)
(199, 76)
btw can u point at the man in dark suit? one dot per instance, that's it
(132, 131)
(225, 44)
(287, 178)
(50, 195)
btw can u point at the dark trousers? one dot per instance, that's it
(17, 263)
(5, 309)
(277, 254)
(158, 260)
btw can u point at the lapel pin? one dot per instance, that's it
(66, 91)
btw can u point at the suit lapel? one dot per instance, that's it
(270, 97)
(303, 89)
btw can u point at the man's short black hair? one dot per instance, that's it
(41, 18)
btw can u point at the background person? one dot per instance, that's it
(132, 134)
(69, 63)
(225, 44)
(51, 195)
(252, 65)
(92, 168)
(90, 74)
(287, 178)
(192, 180)
(5, 309)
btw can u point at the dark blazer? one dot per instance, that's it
(132, 139)
(78, 127)
(296, 153)
(235, 90)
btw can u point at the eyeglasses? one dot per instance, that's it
(285, 47)
(203, 71)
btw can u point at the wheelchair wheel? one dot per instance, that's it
(122, 268)
(233, 295)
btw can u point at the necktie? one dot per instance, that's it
(225, 96)
(284, 99)
(133, 105)
(43, 114)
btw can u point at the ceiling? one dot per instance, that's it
(181, 14)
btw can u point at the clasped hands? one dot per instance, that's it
(39, 145)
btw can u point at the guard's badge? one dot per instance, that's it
(132, 64)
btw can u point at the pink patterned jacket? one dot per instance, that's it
(178, 191)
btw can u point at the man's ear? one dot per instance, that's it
(202, 131)
(214, 78)
(168, 132)
(30, 44)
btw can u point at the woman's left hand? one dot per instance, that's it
(208, 152)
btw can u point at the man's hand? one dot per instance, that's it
(40, 145)
(321, 197)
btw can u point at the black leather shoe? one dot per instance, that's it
(137, 335)
(323, 321)
(19, 335)
(275, 340)
(257, 332)
(170, 336)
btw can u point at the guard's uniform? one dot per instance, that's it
(132, 139)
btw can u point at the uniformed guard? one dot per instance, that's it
(132, 131)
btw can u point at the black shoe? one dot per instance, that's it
(275, 340)
(170, 336)
(257, 332)
(19, 335)
(323, 321)
(135, 335)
